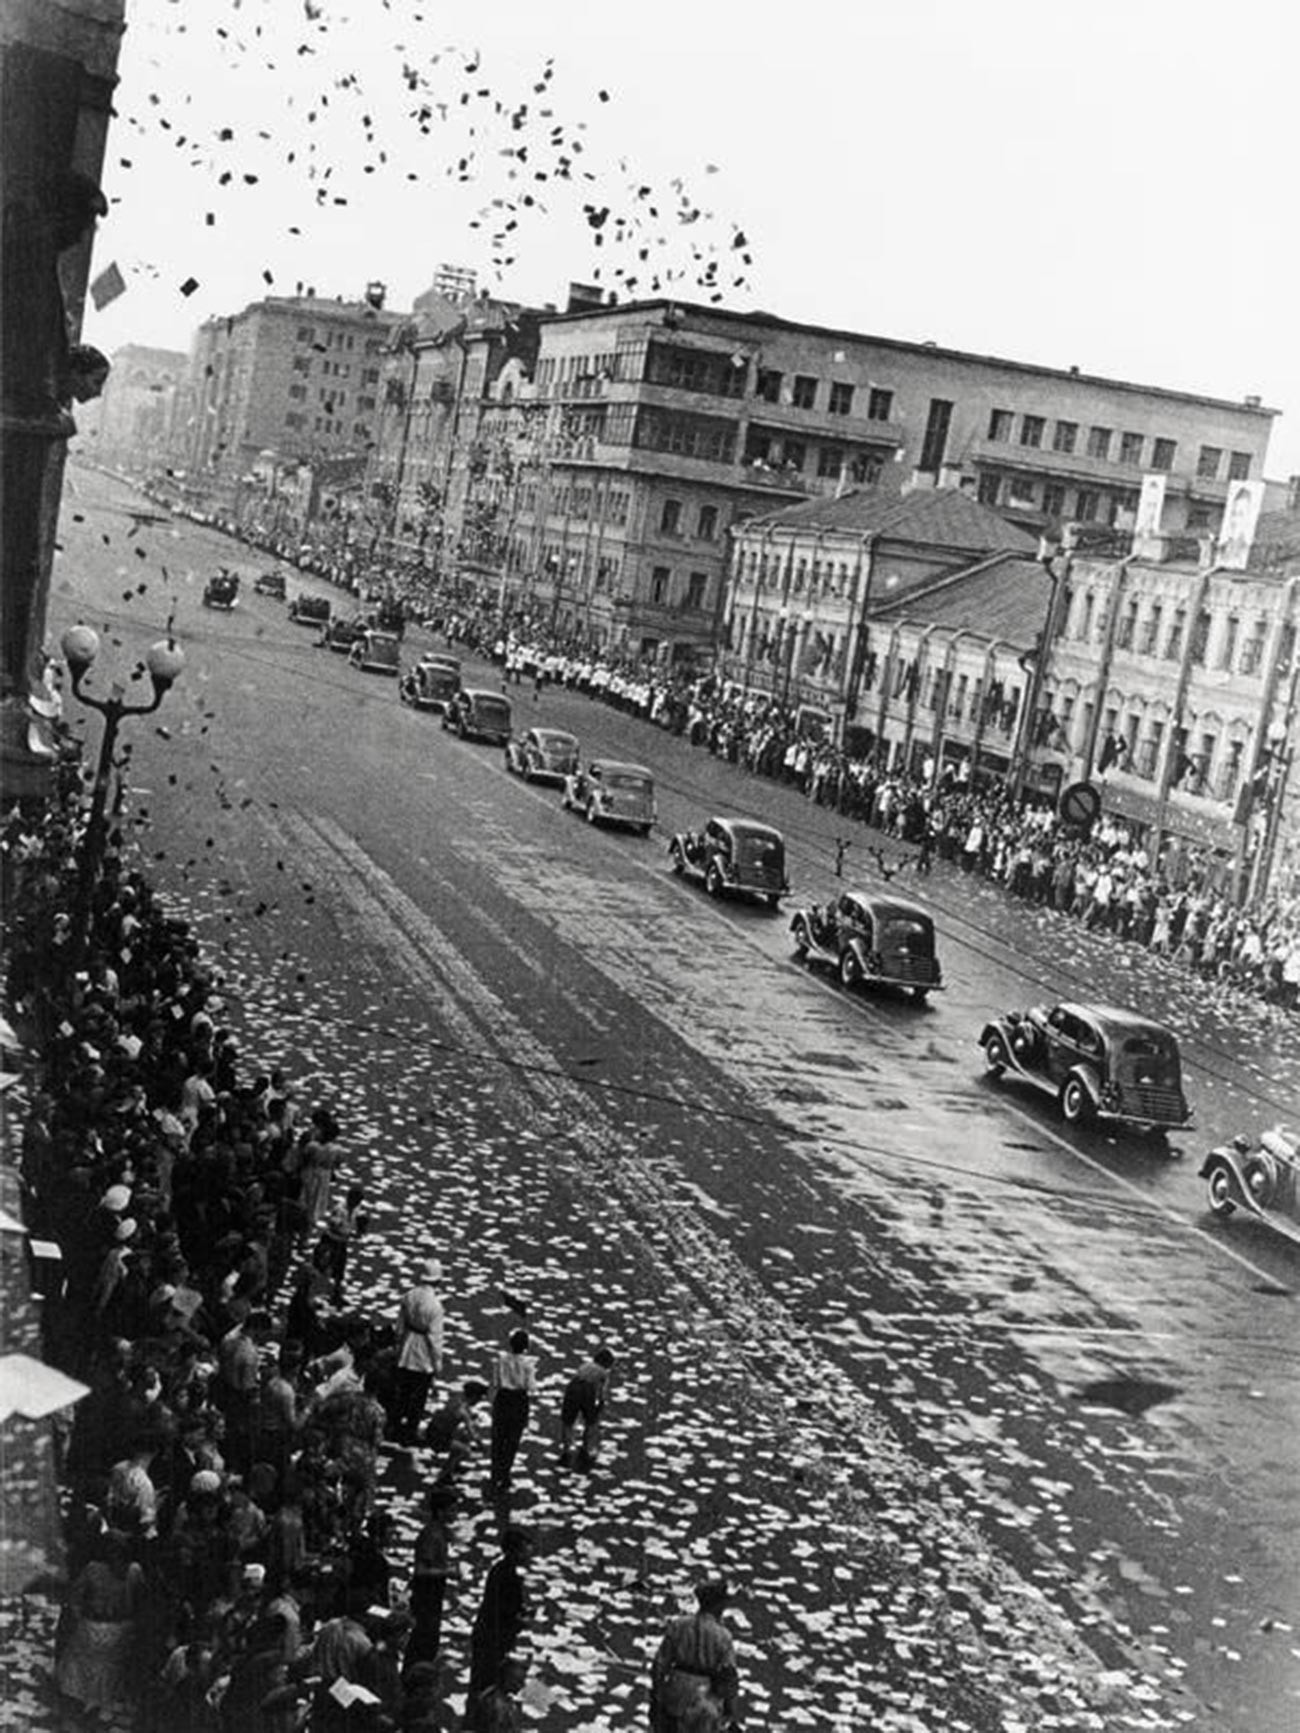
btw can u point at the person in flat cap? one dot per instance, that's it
(693, 1681)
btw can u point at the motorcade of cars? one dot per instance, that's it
(1260, 1176)
(270, 584)
(340, 635)
(871, 939)
(478, 714)
(543, 755)
(734, 856)
(432, 683)
(376, 652)
(222, 590)
(310, 610)
(610, 792)
(1100, 1062)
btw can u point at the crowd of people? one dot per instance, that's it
(231, 1556)
(1105, 878)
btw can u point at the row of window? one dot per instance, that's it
(580, 501)
(335, 369)
(783, 454)
(673, 523)
(327, 424)
(331, 339)
(1100, 443)
(818, 577)
(804, 390)
(1201, 761)
(1144, 630)
(664, 593)
(1053, 499)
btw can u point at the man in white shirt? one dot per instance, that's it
(419, 1352)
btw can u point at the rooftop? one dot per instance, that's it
(934, 517)
(1004, 598)
(757, 322)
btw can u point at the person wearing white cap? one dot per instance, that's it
(419, 1352)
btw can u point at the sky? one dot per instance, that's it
(1108, 185)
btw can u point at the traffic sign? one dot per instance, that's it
(1080, 804)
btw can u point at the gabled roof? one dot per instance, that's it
(1003, 597)
(932, 517)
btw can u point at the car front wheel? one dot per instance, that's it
(801, 941)
(675, 855)
(713, 880)
(1076, 1103)
(996, 1058)
(850, 967)
(1218, 1191)
(592, 814)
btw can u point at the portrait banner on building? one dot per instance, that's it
(1240, 516)
(1151, 505)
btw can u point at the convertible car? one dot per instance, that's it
(734, 855)
(222, 591)
(1258, 1176)
(270, 584)
(870, 940)
(1099, 1063)
(310, 610)
(611, 793)
(543, 755)
(340, 635)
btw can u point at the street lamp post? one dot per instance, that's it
(164, 661)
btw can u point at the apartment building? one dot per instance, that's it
(130, 424)
(297, 375)
(666, 424)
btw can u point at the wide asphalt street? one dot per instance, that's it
(987, 1422)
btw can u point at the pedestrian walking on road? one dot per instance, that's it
(693, 1682)
(430, 1569)
(503, 1611)
(584, 1400)
(514, 1379)
(419, 1352)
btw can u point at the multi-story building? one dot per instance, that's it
(297, 376)
(810, 586)
(1176, 687)
(668, 423)
(129, 427)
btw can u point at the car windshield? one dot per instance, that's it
(554, 742)
(622, 779)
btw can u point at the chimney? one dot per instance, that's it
(584, 295)
(1253, 402)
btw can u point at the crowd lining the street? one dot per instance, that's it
(231, 1562)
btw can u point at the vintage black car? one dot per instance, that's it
(1099, 1062)
(376, 652)
(542, 755)
(310, 610)
(607, 792)
(477, 714)
(222, 590)
(734, 855)
(432, 683)
(871, 940)
(1260, 1176)
(270, 584)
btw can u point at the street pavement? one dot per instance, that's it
(988, 1426)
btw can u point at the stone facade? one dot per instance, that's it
(130, 425)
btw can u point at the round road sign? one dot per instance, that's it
(1080, 804)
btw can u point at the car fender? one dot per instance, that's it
(1236, 1166)
(860, 951)
(1089, 1079)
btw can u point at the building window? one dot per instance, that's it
(1065, 436)
(1207, 464)
(298, 392)
(1151, 635)
(1085, 616)
(935, 443)
(794, 454)
(805, 391)
(1020, 492)
(670, 522)
(1085, 505)
(660, 578)
(990, 484)
(304, 333)
(1200, 637)
(1000, 425)
(293, 419)
(768, 385)
(1252, 652)
(1162, 454)
(1130, 449)
(696, 587)
(841, 398)
(1239, 466)
(302, 364)
(1228, 648)
(1031, 430)
(1174, 643)
(880, 404)
(707, 526)
(1099, 442)
(866, 467)
(1148, 753)
(1054, 499)
(830, 462)
(1127, 627)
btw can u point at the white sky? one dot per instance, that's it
(1108, 184)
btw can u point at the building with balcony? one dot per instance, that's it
(667, 424)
